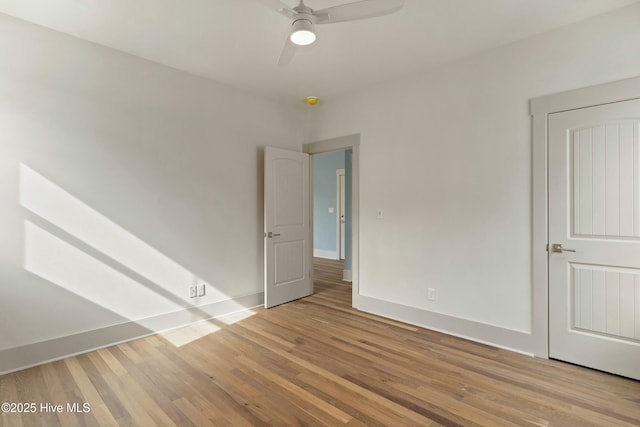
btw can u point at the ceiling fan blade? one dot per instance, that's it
(280, 7)
(287, 54)
(359, 10)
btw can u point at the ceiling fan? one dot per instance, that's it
(304, 19)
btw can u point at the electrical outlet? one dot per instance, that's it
(192, 292)
(201, 290)
(431, 294)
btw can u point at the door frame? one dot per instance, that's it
(339, 237)
(348, 142)
(540, 109)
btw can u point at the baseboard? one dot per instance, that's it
(18, 358)
(495, 336)
(347, 275)
(321, 253)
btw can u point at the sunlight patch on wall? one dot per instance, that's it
(52, 203)
(61, 263)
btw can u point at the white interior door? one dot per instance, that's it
(286, 227)
(594, 210)
(342, 212)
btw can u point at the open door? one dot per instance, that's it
(287, 236)
(342, 211)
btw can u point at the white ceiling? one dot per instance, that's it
(238, 42)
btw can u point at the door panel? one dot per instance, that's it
(288, 209)
(605, 302)
(287, 226)
(594, 195)
(289, 262)
(603, 186)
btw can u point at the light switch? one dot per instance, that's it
(331, 210)
(380, 214)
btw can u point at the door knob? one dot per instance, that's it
(557, 247)
(270, 235)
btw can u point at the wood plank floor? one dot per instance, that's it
(313, 362)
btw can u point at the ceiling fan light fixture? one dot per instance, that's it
(302, 33)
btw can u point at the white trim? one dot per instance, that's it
(23, 357)
(621, 90)
(347, 275)
(333, 144)
(494, 336)
(345, 143)
(321, 253)
(311, 249)
(540, 108)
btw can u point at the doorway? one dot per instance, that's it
(331, 189)
(327, 212)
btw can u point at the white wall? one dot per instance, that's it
(122, 182)
(447, 155)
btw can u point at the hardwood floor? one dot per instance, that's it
(316, 361)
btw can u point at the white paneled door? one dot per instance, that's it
(342, 210)
(594, 237)
(286, 227)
